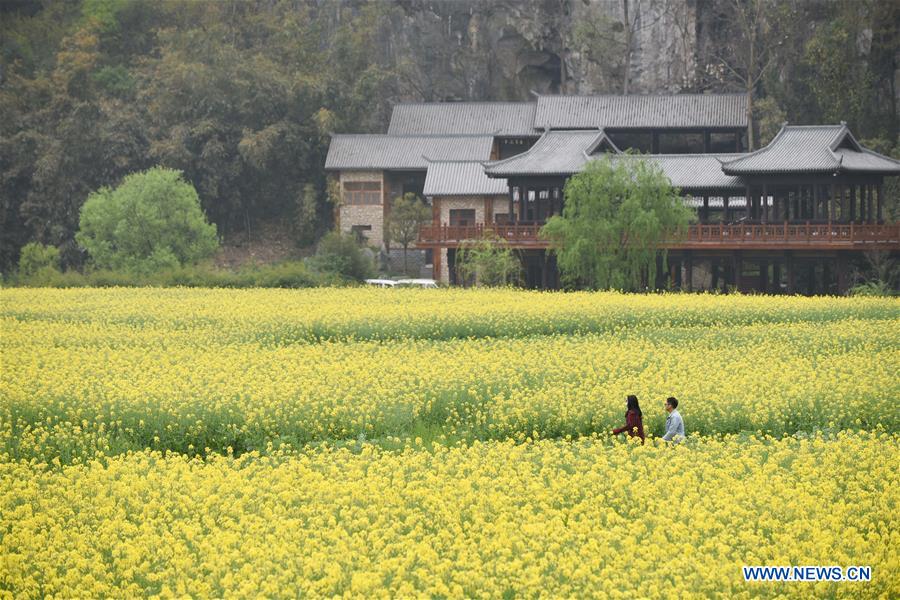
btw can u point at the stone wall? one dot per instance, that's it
(371, 214)
(448, 203)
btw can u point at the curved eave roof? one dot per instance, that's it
(812, 149)
(555, 153)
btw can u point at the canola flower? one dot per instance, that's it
(550, 518)
(449, 443)
(105, 375)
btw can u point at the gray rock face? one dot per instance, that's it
(505, 49)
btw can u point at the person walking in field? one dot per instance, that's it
(634, 423)
(674, 423)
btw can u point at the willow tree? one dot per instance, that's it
(616, 214)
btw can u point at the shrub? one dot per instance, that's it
(340, 254)
(37, 257)
(488, 262)
(152, 221)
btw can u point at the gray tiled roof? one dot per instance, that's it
(812, 149)
(555, 153)
(497, 118)
(461, 178)
(683, 111)
(403, 152)
(692, 171)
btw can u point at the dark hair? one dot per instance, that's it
(673, 401)
(633, 404)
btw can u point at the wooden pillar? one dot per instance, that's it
(488, 210)
(725, 208)
(749, 201)
(791, 275)
(512, 208)
(764, 204)
(545, 283)
(660, 281)
(707, 141)
(523, 203)
(436, 263)
(879, 212)
(815, 201)
(715, 274)
(852, 209)
(776, 277)
(706, 208)
(689, 268)
(830, 207)
(842, 286)
(869, 194)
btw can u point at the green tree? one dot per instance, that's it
(488, 262)
(616, 213)
(408, 213)
(151, 220)
(305, 215)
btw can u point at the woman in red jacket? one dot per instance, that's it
(634, 424)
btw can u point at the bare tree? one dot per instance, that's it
(755, 38)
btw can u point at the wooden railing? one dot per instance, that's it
(515, 233)
(723, 236)
(790, 235)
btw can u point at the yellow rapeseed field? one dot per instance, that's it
(553, 519)
(442, 443)
(101, 371)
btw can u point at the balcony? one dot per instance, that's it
(781, 236)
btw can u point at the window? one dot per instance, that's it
(360, 232)
(362, 192)
(462, 216)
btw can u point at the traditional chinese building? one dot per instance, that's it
(790, 217)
